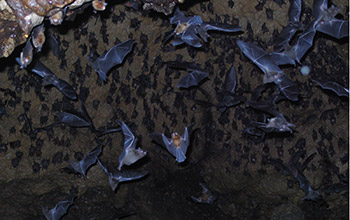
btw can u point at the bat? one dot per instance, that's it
(26, 56)
(177, 145)
(229, 90)
(288, 88)
(73, 120)
(292, 27)
(83, 165)
(99, 5)
(114, 56)
(38, 36)
(326, 21)
(121, 176)
(188, 28)
(276, 124)
(129, 154)
(58, 17)
(206, 197)
(54, 45)
(60, 208)
(304, 42)
(333, 86)
(195, 76)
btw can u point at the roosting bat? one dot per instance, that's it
(177, 145)
(121, 176)
(326, 21)
(129, 154)
(83, 165)
(333, 86)
(207, 197)
(195, 76)
(38, 36)
(114, 56)
(272, 72)
(60, 209)
(49, 78)
(26, 56)
(228, 99)
(188, 29)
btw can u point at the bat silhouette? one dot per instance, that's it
(292, 27)
(83, 165)
(60, 209)
(54, 45)
(195, 76)
(114, 56)
(38, 36)
(189, 29)
(49, 78)
(26, 56)
(333, 86)
(228, 99)
(206, 197)
(121, 176)
(272, 72)
(129, 154)
(73, 120)
(177, 145)
(326, 22)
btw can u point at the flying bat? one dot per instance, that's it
(228, 99)
(206, 197)
(272, 72)
(177, 145)
(275, 124)
(195, 76)
(60, 209)
(129, 154)
(189, 29)
(121, 176)
(114, 56)
(49, 78)
(333, 86)
(292, 27)
(26, 56)
(83, 165)
(326, 21)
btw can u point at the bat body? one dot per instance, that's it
(229, 90)
(333, 86)
(129, 154)
(60, 209)
(272, 72)
(206, 197)
(195, 76)
(189, 30)
(122, 176)
(26, 56)
(177, 145)
(38, 36)
(114, 56)
(83, 165)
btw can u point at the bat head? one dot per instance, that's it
(99, 5)
(176, 139)
(57, 18)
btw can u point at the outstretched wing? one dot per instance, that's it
(65, 88)
(169, 145)
(294, 11)
(192, 79)
(305, 41)
(288, 88)
(335, 28)
(129, 137)
(129, 175)
(60, 209)
(333, 86)
(72, 120)
(185, 141)
(90, 159)
(221, 27)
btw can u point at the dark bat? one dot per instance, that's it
(206, 197)
(49, 78)
(114, 56)
(188, 28)
(177, 145)
(54, 45)
(292, 27)
(333, 86)
(121, 176)
(326, 21)
(129, 154)
(73, 120)
(305, 185)
(195, 76)
(83, 165)
(26, 56)
(38, 36)
(228, 99)
(60, 209)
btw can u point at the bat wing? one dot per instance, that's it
(294, 11)
(169, 145)
(61, 208)
(190, 37)
(282, 58)
(40, 69)
(259, 56)
(221, 27)
(129, 175)
(288, 88)
(53, 44)
(90, 159)
(184, 65)
(185, 141)
(103, 167)
(335, 28)
(231, 81)
(266, 106)
(305, 42)
(318, 7)
(192, 79)
(333, 86)
(284, 37)
(72, 120)
(178, 17)
(65, 88)
(129, 138)
(113, 57)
